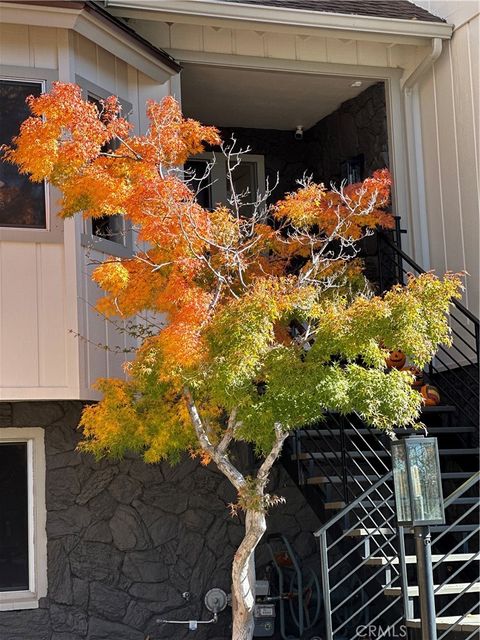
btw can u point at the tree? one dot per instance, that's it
(266, 320)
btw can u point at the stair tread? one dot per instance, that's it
(308, 455)
(365, 531)
(449, 475)
(470, 622)
(453, 557)
(376, 432)
(444, 589)
(375, 503)
(335, 479)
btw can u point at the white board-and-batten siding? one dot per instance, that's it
(51, 339)
(449, 101)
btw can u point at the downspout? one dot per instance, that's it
(416, 173)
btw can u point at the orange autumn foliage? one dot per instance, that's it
(196, 258)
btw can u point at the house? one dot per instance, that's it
(335, 88)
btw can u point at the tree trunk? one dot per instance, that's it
(243, 576)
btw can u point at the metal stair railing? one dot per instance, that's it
(335, 448)
(470, 563)
(454, 370)
(343, 614)
(466, 567)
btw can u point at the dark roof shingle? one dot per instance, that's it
(397, 9)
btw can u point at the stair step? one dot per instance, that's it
(332, 506)
(470, 622)
(379, 503)
(449, 475)
(454, 557)
(312, 433)
(337, 479)
(329, 455)
(364, 531)
(443, 590)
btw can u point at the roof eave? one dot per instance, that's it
(291, 17)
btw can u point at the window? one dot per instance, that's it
(216, 188)
(107, 234)
(22, 203)
(22, 523)
(107, 227)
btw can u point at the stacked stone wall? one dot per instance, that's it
(127, 539)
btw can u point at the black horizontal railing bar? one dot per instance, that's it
(459, 335)
(463, 488)
(311, 459)
(461, 322)
(372, 470)
(452, 372)
(418, 268)
(455, 523)
(448, 353)
(370, 448)
(354, 504)
(455, 347)
(457, 623)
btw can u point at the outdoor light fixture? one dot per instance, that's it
(356, 83)
(299, 132)
(419, 500)
(418, 481)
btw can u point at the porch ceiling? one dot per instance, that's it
(232, 97)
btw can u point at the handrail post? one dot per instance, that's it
(327, 605)
(379, 261)
(343, 454)
(403, 574)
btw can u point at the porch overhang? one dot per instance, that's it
(222, 13)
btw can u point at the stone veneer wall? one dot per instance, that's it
(126, 539)
(358, 126)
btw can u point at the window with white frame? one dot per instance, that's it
(212, 182)
(110, 234)
(22, 203)
(23, 547)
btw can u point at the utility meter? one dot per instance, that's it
(264, 616)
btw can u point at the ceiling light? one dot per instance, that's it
(357, 83)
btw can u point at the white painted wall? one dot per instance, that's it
(449, 102)
(46, 296)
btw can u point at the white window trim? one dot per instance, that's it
(37, 535)
(88, 239)
(218, 184)
(53, 230)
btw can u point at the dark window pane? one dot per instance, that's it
(110, 228)
(22, 203)
(196, 171)
(244, 177)
(13, 517)
(107, 227)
